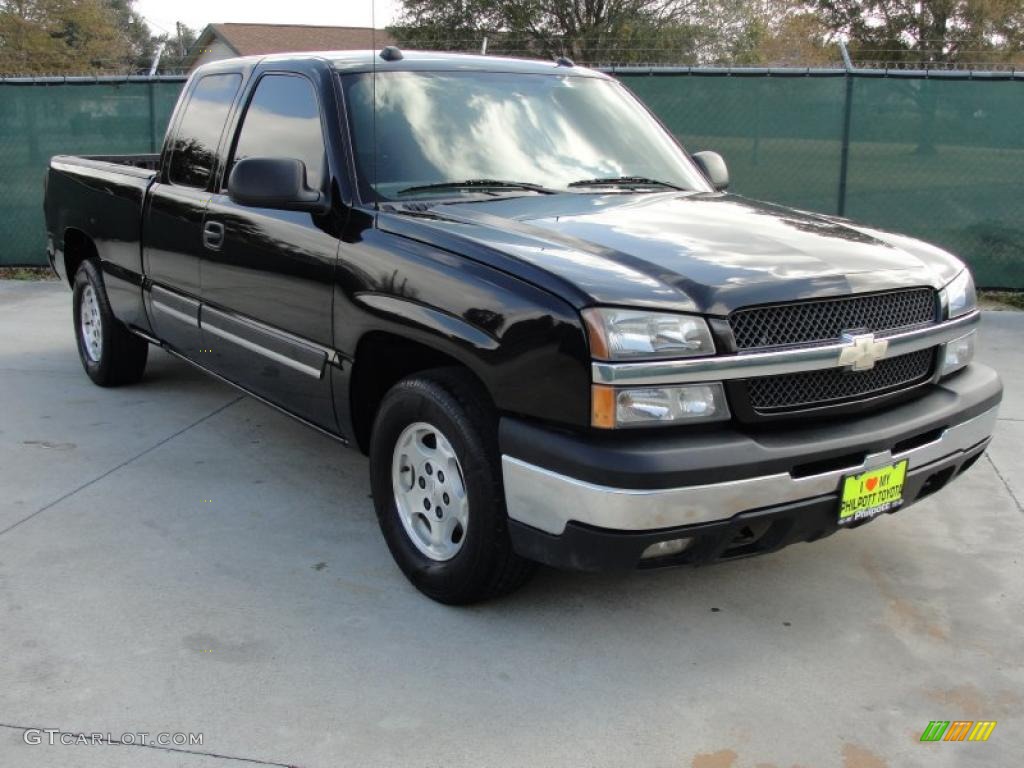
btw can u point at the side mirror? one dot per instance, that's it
(714, 168)
(273, 182)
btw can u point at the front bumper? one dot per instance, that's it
(598, 502)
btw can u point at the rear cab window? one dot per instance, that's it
(194, 149)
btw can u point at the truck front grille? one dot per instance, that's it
(798, 391)
(822, 320)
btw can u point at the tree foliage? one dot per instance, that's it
(765, 32)
(783, 33)
(59, 36)
(588, 31)
(928, 31)
(73, 37)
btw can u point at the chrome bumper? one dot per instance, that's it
(547, 500)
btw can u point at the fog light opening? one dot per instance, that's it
(958, 353)
(639, 406)
(665, 548)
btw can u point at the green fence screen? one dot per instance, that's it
(939, 157)
(41, 119)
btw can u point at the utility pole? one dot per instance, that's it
(156, 59)
(844, 152)
(847, 63)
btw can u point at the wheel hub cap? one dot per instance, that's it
(430, 491)
(91, 324)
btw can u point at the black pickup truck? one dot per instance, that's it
(556, 336)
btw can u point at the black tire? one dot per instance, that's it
(122, 358)
(454, 403)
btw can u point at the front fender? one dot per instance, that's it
(526, 345)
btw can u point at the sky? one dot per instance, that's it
(161, 14)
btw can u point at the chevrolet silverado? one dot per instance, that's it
(554, 333)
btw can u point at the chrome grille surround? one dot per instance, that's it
(771, 362)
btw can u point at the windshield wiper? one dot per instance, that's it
(624, 181)
(478, 184)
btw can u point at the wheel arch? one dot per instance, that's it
(382, 359)
(78, 247)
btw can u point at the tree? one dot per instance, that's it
(588, 31)
(784, 33)
(71, 36)
(928, 32)
(134, 28)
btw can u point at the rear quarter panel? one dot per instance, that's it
(102, 201)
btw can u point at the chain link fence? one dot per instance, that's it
(940, 157)
(935, 155)
(41, 117)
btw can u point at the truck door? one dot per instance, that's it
(172, 230)
(267, 284)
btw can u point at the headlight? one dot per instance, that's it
(613, 407)
(629, 334)
(959, 296)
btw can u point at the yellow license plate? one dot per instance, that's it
(872, 493)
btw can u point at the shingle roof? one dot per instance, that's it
(255, 39)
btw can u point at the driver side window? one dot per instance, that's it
(283, 120)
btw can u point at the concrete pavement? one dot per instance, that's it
(177, 558)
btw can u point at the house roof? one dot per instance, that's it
(257, 39)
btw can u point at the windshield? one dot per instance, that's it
(545, 130)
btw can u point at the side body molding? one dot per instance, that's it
(175, 306)
(284, 348)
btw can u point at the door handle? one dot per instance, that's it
(213, 235)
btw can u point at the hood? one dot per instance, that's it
(703, 252)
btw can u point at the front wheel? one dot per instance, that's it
(110, 353)
(436, 479)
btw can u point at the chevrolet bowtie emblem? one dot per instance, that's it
(862, 351)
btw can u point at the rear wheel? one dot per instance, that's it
(110, 353)
(436, 478)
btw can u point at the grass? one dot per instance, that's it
(27, 273)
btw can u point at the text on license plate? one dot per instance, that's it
(872, 493)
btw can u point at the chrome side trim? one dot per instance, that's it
(749, 365)
(261, 350)
(174, 305)
(171, 312)
(548, 500)
(291, 351)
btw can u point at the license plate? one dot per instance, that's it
(872, 493)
